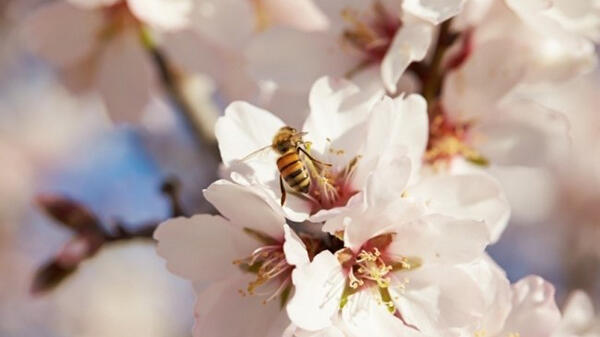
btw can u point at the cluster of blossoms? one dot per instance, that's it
(369, 213)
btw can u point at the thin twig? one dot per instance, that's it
(432, 81)
(171, 82)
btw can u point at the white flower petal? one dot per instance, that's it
(410, 44)
(246, 207)
(294, 248)
(199, 248)
(439, 239)
(534, 311)
(434, 11)
(245, 129)
(319, 53)
(523, 133)
(163, 14)
(222, 312)
(337, 108)
(487, 76)
(406, 123)
(319, 287)
(468, 196)
(578, 314)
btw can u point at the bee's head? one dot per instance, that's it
(285, 139)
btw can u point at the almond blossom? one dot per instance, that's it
(237, 261)
(401, 271)
(99, 45)
(363, 139)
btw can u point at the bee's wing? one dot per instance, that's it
(253, 154)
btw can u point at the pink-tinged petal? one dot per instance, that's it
(294, 248)
(465, 196)
(199, 248)
(245, 129)
(434, 11)
(534, 311)
(163, 14)
(298, 14)
(246, 207)
(410, 44)
(125, 68)
(63, 34)
(578, 314)
(92, 4)
(471, 91)
(319, 287)
(221, 311)
(523, 133)
(319, 54)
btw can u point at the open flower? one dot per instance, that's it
(98, 45)
(401, 271)
(237, 262)
(362, 141)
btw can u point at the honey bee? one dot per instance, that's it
(290, 146)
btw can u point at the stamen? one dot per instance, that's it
(268, 263)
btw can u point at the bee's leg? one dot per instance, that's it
(312, 158)
(283, 192)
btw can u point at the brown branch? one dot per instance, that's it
(433, 75)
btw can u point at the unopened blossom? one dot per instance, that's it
(401, 271)
(362, 141)
(241, 262)
(578, 317)
(98, 45)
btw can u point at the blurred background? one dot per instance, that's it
(54, 142)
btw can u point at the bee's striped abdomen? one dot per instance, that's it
(293, 171)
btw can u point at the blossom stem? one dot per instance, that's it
(433, 76)
(172, 83)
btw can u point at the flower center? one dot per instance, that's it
(331, 187)
(371, 269)
(269, 264)
(371, 33)
(448, 140)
